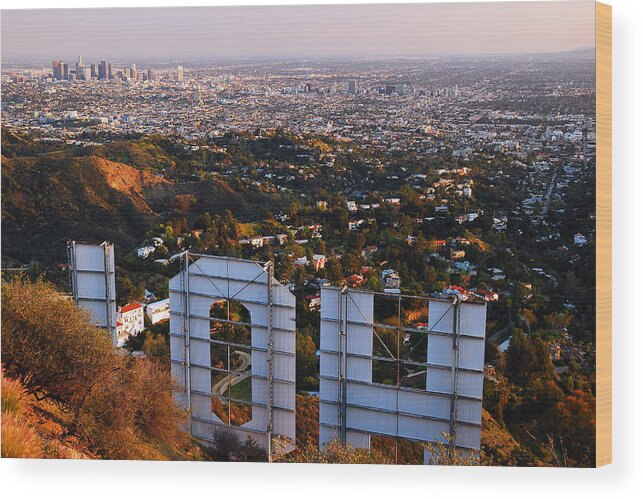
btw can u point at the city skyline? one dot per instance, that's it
(335, 31)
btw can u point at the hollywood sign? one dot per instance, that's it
(390, 365)
(232, 345)
(400, 366)
(93, 282)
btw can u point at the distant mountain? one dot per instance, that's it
(580, 53)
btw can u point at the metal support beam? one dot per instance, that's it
(271, 271)
(185, 329)
(71, 261)
(109, 299)
(456, 360)
(343, 360)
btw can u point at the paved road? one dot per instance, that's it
(232, 379)
(550, 190)
(497, 334)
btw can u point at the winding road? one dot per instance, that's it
(232, 379)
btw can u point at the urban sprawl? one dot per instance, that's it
(435, 176)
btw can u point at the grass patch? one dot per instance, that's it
(242, 390)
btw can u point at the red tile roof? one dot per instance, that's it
(130, 306)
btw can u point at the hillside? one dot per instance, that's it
(33, 428)
(66, 393)
(50, 198)
(499, 446)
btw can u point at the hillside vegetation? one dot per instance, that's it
(52, 200)
(67, 393)
(52, 194)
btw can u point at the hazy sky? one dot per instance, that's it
(315, 30)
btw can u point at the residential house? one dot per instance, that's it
(301, 262)
(158, 311)
(145, 251)
(319, 261)
(457, 254)
(129, 322)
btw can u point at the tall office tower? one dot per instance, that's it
(352, 86)
(389, 89)
(93, 73)
(64, 67)
(170, 75)
(179, 73)
(57, 70)
(110, 71)
(102, 70)
(399, 89)
(86, 74)
(150, 75)
(79, 67)
(132, 72)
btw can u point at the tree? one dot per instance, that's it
(203, 221)
(228, 447)
(155, 347)
(126, 290)
(558, 321)
(358, 242)
(334, 271)
(350, 263)
(571, 423)
(306, 362)
(491, 352)
(521, 358)
(183, 202)
(528, 317)
(543, 365)
(446, 454)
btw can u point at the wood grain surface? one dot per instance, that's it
(603, 234)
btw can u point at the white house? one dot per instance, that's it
(504, 346)
(145, 251)
(158, 311)
(256, 241)
(319, 261)
(391, 279)
(580, 239)
(303, 261)
(130, 321)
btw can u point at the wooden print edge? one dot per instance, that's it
(603, 234)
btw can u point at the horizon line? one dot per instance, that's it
(294, 58)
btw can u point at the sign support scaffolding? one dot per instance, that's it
(271, 271)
